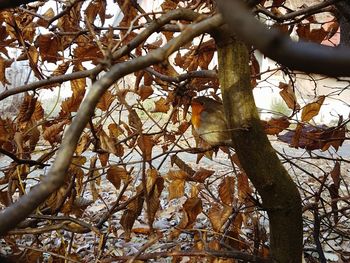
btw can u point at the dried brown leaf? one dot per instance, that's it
(227, 190)
(219, 215)
(144, 92)
(311, 110)
(53, 133)
(49, 45)
(288, 95)
(191, 209)
(115, 174)
(161, 105)
(176, 189)
(202, 174)
(146, 143)
(275, 126)
(105, 101)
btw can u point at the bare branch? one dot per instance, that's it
(22, 161)
(304, 56)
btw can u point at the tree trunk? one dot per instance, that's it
(343, 8)
(279, 194)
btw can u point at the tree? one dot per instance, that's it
(99, 126)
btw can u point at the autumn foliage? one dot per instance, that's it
(139, 174)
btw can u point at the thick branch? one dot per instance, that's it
(18, 211)
(314, 9)
(13, 3)
(304, 56)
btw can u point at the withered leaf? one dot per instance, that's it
(314, 137)
(27, 108)
(161, 105)
(105, 101)
(243, 187)
(83, 144)
(202, 174)
(146, 143)
(315, 35)
(38, 113)
(275, 125)
(129, 216)
(154, 198)
(49, 45)
(288, 95)
(219, 215)
(47, 15)
(107, 143)
(311, 110)
(191, 209)
(3, 66)
(115, 174)
(176, 189)
(115, 130)
(144, 92)
(53, 133)
(227, 190)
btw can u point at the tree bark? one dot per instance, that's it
(279, 194)
(343, 8)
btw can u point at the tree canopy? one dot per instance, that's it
(99, 157)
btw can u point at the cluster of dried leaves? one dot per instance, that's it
(127, 144)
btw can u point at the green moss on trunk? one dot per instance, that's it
(279, 194)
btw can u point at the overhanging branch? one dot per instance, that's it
(303, 56)
(13, 3)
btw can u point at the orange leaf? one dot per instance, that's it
(288, 95)
(219, 215)
(49, 45)
(115, 174)
(107, 143)
(144, 92)
(61, 69)
(176, 189)
(3, 67)
(27, 108)
(114, 130)
(129, 216)
(312, 109)
(105, 101)
(135, 121)
(52, 133)
(48, 14)
(202, 174)
(161, 105)
(38, 113)
(169, 5)
(146, 143)
(104, 157)
(83, 144)
(243, 187)
(227, 190)
(275, 126)
(191, 209)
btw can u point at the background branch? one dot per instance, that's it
(304, 56)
